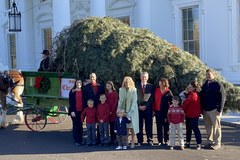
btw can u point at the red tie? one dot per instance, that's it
(143, 88)
(94, 88)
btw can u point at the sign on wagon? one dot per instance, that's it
(66, 86)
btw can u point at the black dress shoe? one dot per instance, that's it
(78, 144)
(208, 146)
(165, 143)
(187, 145)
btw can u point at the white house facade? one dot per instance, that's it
(208, 29)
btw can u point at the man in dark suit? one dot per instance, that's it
(145, 92)
(93, 90)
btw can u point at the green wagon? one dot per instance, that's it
(48, 94)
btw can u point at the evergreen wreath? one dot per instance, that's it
(44, 85)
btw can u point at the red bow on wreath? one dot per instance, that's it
(38, 82)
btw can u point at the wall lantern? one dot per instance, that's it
(14, 19)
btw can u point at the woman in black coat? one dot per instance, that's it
(162, 100)
(75, 110)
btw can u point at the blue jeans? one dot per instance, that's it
(91, 134)
(104, 132)
(192, 125)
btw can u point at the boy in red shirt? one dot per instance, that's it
(90, 114)
(176, 119)
(103, 113)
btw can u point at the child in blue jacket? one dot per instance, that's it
(120, 128)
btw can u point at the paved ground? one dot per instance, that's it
(55, 143)
(231, 118)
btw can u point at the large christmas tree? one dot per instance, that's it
(113, 50)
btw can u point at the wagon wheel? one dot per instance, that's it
(58, 114)
(35, 119)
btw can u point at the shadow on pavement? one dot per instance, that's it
(48, 142)
(17, 140)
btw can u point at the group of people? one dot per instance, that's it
(112, 117)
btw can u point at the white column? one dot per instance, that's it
(24, 39)
(61, 15)
(143, 14)
(98, 8)
(3, 41)
(233, 42)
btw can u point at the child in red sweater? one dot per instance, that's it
(176, 119)
(91, 119)
(103, 113)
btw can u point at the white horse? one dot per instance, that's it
(16, 88)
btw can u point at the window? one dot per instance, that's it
(12, 50)
(47, 38)
(125, 19)
(190, 30)
(8, 4)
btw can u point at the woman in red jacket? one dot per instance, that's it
(192, 109)
(162, 100)
(112, 100)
